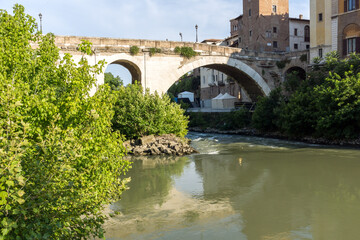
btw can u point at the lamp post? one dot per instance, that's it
(196, 27)
(40, 16)
(181, 37)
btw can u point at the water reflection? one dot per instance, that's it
(242, 188)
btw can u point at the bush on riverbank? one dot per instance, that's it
(139, 114)
(60, 163)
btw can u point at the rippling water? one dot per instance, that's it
(242, 188)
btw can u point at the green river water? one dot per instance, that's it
(242, 188)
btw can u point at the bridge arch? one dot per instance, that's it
(299, 70)
(133, 64)
(252, 82)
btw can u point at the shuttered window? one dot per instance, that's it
(351, 45)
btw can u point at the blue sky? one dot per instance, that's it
(140, 19)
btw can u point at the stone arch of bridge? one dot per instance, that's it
(299, 70)
(247, 77)
(130, 63)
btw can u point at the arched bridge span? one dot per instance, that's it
(256, 72)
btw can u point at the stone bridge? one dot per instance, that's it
(257, 73)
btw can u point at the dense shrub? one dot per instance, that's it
(266, 114)
(60, 163)
(138, 114)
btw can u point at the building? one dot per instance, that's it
(320, 28)
(335, 26)
(264, 26)
(345, 26)
(299, 34)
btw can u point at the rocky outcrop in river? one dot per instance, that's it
(156, 145)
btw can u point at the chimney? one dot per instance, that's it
(300, 16)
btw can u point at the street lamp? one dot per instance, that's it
(181, 36)
(196, 27)
(40, 16)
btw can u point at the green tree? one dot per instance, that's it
(338, 106)
(266, 114)
(112, 81)
(60, 163)
(147, 113)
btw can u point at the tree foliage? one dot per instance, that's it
(60, 163)
(112, 81)
(266, 112)
(138, 114)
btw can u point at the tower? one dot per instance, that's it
(264, 25)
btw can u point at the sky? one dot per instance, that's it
(140, 19)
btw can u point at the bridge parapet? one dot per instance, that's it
(115, 44)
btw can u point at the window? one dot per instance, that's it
(350, 5)
(295, 32)
(274, 29)
(275, 44)
(351, 45)
(249, 12)
(239, 39)
(307, 34)
(268, 34)
(296, 46)
(274, 8)
(307, 46)
(320, 17)
(250, 33)
(320, 53)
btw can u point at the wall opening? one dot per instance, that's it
(127, 71)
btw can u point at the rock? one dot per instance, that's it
(147, 140)
(157, 145)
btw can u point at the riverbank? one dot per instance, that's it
(278, 135)
(167, 144)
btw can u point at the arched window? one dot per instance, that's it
(351, 39)
(307, 33)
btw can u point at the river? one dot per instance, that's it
(242, 188)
